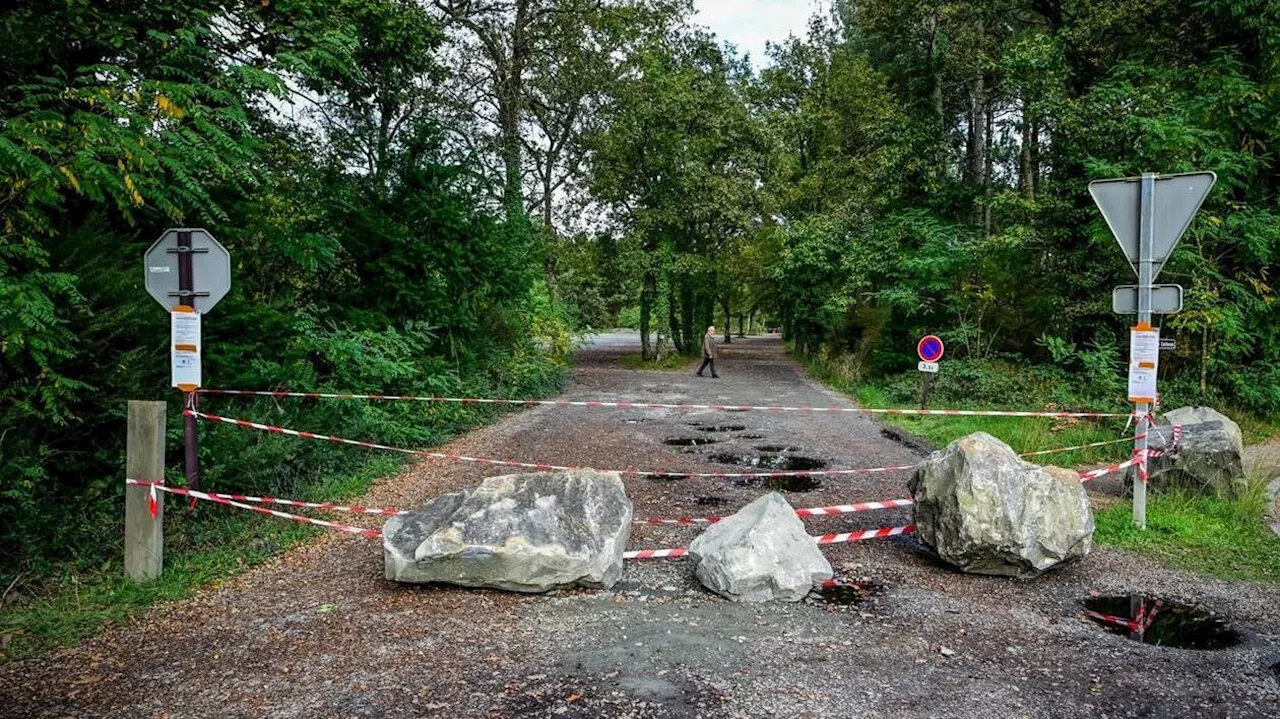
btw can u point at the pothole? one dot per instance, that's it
(635, 420)
(777, 448)
(689, 441)
(710, 501)
(720, 427)
(915, 444)
(736, 409)
(803, 483)
(842, 593)
(1166, 623)
(783, 462)
(751, 436)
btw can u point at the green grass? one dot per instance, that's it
(1221, 536)
(670, 362)
(65, 608)
(1023, 434)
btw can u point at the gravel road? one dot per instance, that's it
(318, 632)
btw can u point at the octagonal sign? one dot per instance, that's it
(210, 269)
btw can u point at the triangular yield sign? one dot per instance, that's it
(1177, 199)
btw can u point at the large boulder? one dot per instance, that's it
(519, 532)
(1207, 456)
(986, 511)
(760, 553)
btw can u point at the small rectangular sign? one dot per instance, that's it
(1165, 299)
(1168, 344)
(927, 366)
(184, 349)
(1144, 361)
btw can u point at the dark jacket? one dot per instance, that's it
(709, 345)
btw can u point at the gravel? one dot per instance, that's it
(319, 632)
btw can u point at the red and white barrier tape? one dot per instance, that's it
(534, 465)
(1140, 623)
(823, 539)
(322, 506)
(371, 533)
(1079, 446)
(807, 512)
(654, 405)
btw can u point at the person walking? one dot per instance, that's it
(709, 352)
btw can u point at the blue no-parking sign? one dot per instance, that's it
(930, 348)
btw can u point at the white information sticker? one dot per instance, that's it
(184, 348)
(184, 328)
(927, 366)
(1144, 361)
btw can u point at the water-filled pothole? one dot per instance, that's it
(720, 427)
(1166, 623)
(635, 420)
(736, 409)
(782, 462)
(777, 448)
(710, 501)
(689, 441)
(848, 593)
(801, 483)
(751, 436)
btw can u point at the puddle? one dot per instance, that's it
(1176, 624)
(788, 463)
(751, 436)
(781, 484)
(777, 448)
(635, 420)
(720, 427)
(710, 501)
(737, 409)
(848, 593)
(689, 441)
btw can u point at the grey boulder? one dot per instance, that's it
(760, 553)
(984, 510)
(519, 532)
(1208, 455)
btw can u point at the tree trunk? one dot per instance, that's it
(1026, 173)
(677, 330)
(751, 322)
(647, 294)
(510, 97)
(987, 155)
(935, 71)
(728, 322)
(1204, 359)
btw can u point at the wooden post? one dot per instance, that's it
(144, 459)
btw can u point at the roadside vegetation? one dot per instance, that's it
(1223, 535)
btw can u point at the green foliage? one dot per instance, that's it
(305, 136)
(931, 174)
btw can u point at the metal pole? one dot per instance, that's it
(1146, 253)
(186, 286)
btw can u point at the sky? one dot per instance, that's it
(749, 23)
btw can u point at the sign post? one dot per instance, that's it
(930, 349)
(174, 266)
(1148, 215)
